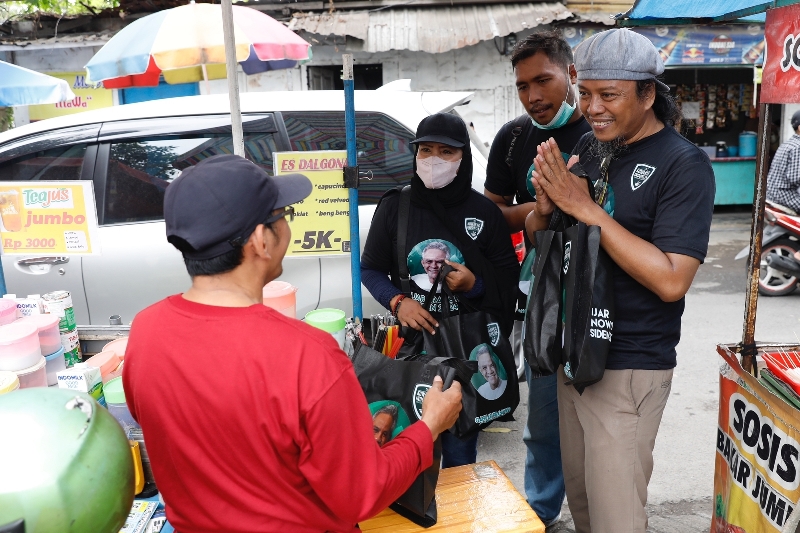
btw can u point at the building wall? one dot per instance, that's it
(48, 60)
(479, 69)
(54, 60)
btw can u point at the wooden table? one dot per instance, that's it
(470, 498)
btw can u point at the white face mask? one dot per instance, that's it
(437, 173)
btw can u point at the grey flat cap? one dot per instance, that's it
(619, 54)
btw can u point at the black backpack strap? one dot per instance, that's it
(515, 132)
(402, 233)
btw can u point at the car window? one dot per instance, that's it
(382, 144)
(56, 164)
(139, 171)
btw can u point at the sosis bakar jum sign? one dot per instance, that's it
(51, 217)
(781, 75)
(321, 223)
(757, 471)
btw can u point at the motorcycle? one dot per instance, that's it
(779, 272)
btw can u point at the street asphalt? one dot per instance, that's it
(681, 489)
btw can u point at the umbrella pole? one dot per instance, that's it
(233, 79)
(352, 163)
(756, 233)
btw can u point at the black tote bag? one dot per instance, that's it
(487, 372)
(542, 341)
(588, 306)
(397, 388)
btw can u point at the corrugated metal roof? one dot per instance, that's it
(68, 40)
(432, 30)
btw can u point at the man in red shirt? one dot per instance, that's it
(253, 421)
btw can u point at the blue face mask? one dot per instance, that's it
(562, 116)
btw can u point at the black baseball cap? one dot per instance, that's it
(795, 120)
(213, 206)
(442, 128)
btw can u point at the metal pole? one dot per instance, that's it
(350, 134)
(756, 233)
(233, 78)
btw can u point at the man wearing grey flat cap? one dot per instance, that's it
(655, 220)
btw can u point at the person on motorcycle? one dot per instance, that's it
(783, 180)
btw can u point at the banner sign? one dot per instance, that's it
(48, 217)
(322, 221)
(694, 45)
(782, 70)
(757, 465)
(87, 96)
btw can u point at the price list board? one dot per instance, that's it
(321, 223)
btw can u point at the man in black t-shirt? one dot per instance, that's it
(545, 75)
(655, 223)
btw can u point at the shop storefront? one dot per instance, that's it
(711, 71)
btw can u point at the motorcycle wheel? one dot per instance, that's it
(773, 282)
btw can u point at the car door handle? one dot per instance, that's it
(34, 261)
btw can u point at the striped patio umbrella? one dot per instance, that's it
(186, 44)
(20, 86)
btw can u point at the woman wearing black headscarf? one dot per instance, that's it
(448, 223)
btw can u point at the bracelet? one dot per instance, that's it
(397, 304)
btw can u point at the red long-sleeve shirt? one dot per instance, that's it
(256, 422)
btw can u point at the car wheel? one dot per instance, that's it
(773, 282)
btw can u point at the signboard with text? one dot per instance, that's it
(48, 217)
(757, 470)
(322, 221)
(781, 74)
(88, 96)
(721, 44)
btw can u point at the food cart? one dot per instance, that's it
(756, 479)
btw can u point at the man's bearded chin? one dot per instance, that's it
(612, 148)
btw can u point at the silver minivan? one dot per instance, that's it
(132, 152)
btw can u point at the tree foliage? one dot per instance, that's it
(17, 8)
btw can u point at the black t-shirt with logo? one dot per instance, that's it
(661, 189)
(503, 180)
(429, 243)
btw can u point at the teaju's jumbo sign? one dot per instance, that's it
(52, 217)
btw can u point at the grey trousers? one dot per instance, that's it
(607, 440)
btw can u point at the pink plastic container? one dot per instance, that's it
(8, 311)
(282, 297)
(118, 347)
(19, 346)
(35, 376)
(49, 336)
(107, 362)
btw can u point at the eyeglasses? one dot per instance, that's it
(287, 212)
